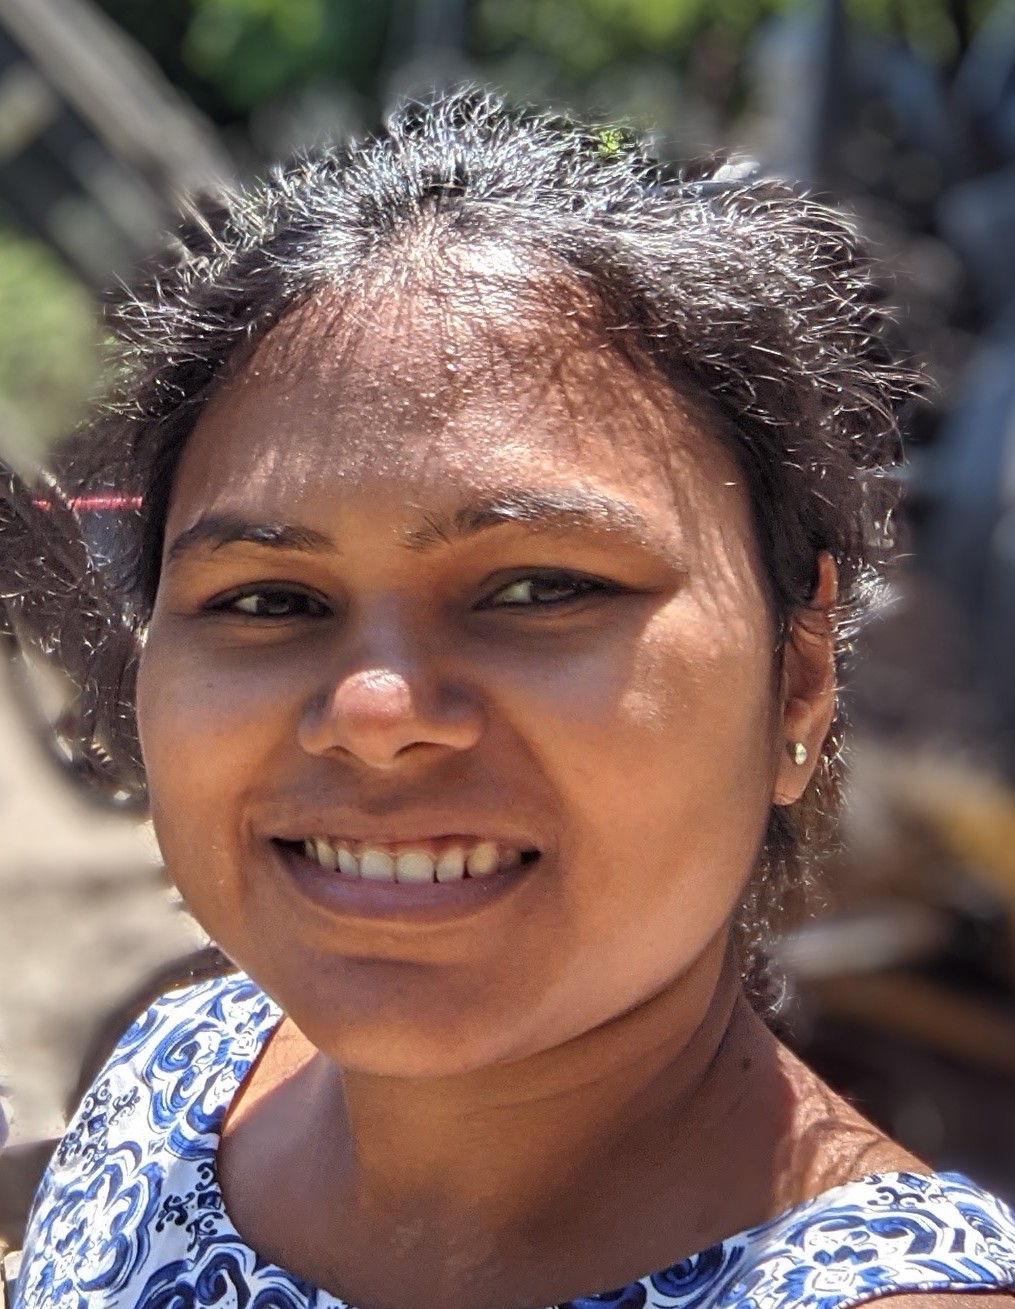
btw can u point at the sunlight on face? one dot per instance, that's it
(458, 574)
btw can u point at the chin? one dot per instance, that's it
(405, 1046)
(389, 1020)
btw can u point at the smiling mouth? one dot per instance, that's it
(444, 861)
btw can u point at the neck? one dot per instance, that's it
(644, 1141)
(511, 1147)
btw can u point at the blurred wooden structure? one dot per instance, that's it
(96, 146)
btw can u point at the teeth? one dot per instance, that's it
(327, 856)
(482, 859)
(414, 866)
(410, 865)
(451, 866)
(377, 866)
(348, 864)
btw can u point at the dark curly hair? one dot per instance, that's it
(755, 302)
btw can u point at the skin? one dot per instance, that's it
(493, 1110)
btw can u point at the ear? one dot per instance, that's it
(807, 688)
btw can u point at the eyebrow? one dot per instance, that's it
(217, 530)
(546, 510)
(550, 510)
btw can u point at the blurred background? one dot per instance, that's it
(902, 991)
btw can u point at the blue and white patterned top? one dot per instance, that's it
(130, 1214)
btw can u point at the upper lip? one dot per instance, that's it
(401, 829)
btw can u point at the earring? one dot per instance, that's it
(798, 752)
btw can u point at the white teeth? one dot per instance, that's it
(451, 866)
(414, 866)
(482, 859)
(348, 864)
(327, 856)
(377, 866)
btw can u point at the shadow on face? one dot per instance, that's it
(444, 568)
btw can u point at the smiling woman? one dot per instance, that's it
(508, 505)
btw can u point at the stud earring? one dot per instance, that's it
(798, 752)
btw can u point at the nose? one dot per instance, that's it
(380, 715)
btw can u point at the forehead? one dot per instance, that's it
(468, 386)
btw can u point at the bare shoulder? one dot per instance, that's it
(831, 1142)
(835, 1144)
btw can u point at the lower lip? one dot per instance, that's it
(425, 902)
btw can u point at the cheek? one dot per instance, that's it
(193, 693)
(660, 760)
(680, 701)
(699, 727)
(207, 733)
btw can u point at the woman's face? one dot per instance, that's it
(433, 595)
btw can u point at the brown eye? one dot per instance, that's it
(547, 589)
(271, 603)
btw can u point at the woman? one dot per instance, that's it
(509, 499)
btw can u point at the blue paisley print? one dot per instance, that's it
(130, 1215)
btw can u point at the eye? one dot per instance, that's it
(269, 602)
(538, 589)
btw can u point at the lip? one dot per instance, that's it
(401, 829)
(412, 904)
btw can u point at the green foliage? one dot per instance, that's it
(255, 49)
(929, 25)
(232, 56)
(585, 36)
(611, 141)
(48, 346)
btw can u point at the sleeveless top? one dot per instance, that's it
(130, 1215)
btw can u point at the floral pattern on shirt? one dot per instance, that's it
(130, 1215)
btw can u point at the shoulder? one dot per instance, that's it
(144, 1135)
(229, 1002)
(936, 1239)
(188, 1042)
(955, 1300)
(165, 1059)
(185, 1028)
